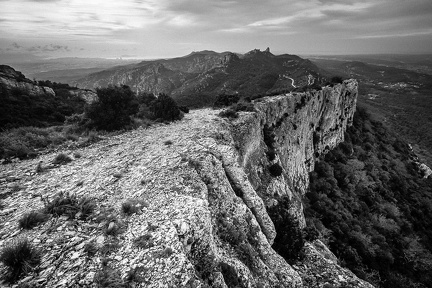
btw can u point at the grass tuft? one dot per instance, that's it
(32, 219)
(20, 258)
(69, 205)
(132, 206)
(62, 159)
(144, 241)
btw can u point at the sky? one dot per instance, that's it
(169, 28)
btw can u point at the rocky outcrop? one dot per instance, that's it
(11, 79)
(205, 187)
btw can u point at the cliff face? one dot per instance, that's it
(206, 187)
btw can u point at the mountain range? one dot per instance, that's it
(196, 79)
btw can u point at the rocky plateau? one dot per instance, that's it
(205, 188)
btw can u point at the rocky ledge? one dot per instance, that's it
(185, 204)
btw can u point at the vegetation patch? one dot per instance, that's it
(370, 204)
(230, 276)
(20, 258)
(275, 170)
(32, 219)
(108, 277)
(132, 206)
(61, 159)
(70, 205)
(90, 249)
(289, 240)
(144, 241)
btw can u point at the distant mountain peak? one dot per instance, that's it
(258, 52)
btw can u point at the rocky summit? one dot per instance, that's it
(184, 204)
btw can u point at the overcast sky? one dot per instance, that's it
(167, 28)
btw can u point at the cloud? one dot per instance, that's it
(143, 23)
(48, 48)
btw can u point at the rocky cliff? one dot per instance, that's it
(204, 187)
(11, 79)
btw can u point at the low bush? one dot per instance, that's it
(228, 113)
(164, 108)
(61, 159)
(132, 206)
(32, 219)
(19, 257)
(90, 249)
(144, 241)
(275, 170)
(224, 100)
(70, 205)
(289, 240)
(108, 277)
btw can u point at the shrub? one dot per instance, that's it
(113, 108)
(184, 109)
(336, 80)
(111, 225)
(109, 278)
(62, 159)
(20, 258)
(90, 248)
(223, 100)
(230, 275)
(289, 240)
(164, 108)
(132, 206)
(110, 246)
(275, 170)
(69, 205)
(32, 219)
(229, 113)
(144, 241)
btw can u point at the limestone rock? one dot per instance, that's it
(206, 222)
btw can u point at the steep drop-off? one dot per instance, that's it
(207, 188)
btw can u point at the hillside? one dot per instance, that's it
(372, 204)
(396, 90)
(190, 204)
(30, 103)
(196, 79)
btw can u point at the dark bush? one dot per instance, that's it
(132, 206)
(32, 219)
(70, 205)
(113, 108)
(108, 277)
(229, 113)
(230, 276)
(289, 240)
(336, 80)
(62, 159)
(224, 100)
(275, 170)
(164, 108)
(19, 258)
(184, 109)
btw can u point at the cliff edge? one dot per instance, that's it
(204, 186)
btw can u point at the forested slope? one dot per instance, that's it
(373, 207)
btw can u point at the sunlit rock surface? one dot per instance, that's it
(206, 186)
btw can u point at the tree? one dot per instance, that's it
(113, 108)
